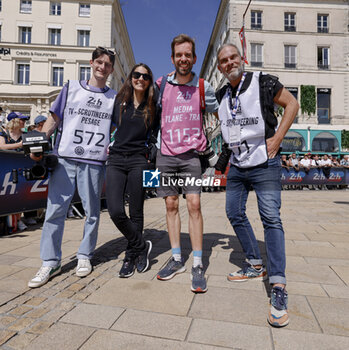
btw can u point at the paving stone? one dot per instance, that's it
(12, 284)
(6, 335)
(66, 305)
(28, 262)
(303, 288)
(8, 270)
(249, 307)
(342, 272)
(75, 287)
(327, 261)
(285, 339)
(332, 314)
(53, 316)
(9, 259)
(98, 316)
(229, 334)
(21, 341)
(110, 340)
(6, 320)
(336, 291)
(35, 301)
(65, 294)
(222, 281)
(61, 336)
(153, 324)
(21, 324)
(312, 274)
(5, 297)
(40, 327)
(155, 296)
(37, 313)
(80, 296)
(20, 310)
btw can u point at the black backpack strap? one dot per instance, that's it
(161, 92)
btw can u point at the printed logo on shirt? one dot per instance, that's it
(151, 178)
(183, 97)
(79, 150)
(93, 102)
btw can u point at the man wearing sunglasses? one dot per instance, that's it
(182, 137)
(82, 115)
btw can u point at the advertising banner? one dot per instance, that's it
(315, 176)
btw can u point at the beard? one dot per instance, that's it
(183, 71)
(235, 74)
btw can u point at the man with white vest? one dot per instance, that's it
(182, 137)
(82, 115)
(248, 126)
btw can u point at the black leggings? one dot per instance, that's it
(126, 171)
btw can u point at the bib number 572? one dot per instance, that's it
(95, 137)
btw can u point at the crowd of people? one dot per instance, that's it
(308, 161)
(169, 110)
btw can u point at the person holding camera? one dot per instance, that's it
(11, 139)
(82, 114)
(135, 119)
(248, 126)
(182, 138)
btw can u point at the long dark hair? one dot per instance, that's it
(125, 96)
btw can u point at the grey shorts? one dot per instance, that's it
(178, 174)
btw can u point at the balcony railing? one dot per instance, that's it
(323, 66)
(256, 64)
(322, 30)
(256, 26)
(290, 65)
(290, 28)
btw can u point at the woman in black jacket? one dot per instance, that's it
(135, 118)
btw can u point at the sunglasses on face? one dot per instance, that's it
(137, 75)
(110, 52)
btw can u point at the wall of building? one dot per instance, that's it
(306, 38)
(106, 26)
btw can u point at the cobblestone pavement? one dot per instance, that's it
(106, 312)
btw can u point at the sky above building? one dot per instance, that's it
(152, 24)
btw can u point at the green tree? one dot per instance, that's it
(345, 139)
(308, 99)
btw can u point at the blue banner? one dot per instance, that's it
(315, 176)
(23, 195)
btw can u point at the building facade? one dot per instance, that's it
(45, 43)
(305, 44)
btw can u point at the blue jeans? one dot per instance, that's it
(266, 181)
(68, 175)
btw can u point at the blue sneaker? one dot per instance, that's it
(278, 316)
(248, 272)
(171, 269)
(198, 280)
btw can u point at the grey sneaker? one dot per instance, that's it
(143, 258)
(278, 316)
(84, 268)
(44, 274)
(198, 280)
(248, 272)
(171, 269)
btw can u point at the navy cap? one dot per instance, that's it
(39, 119)
(18, 115)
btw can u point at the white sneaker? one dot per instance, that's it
(21, 226)
(83, 268)
(30, 221)
(43, 276)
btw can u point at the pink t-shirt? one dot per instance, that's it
(181, 120)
